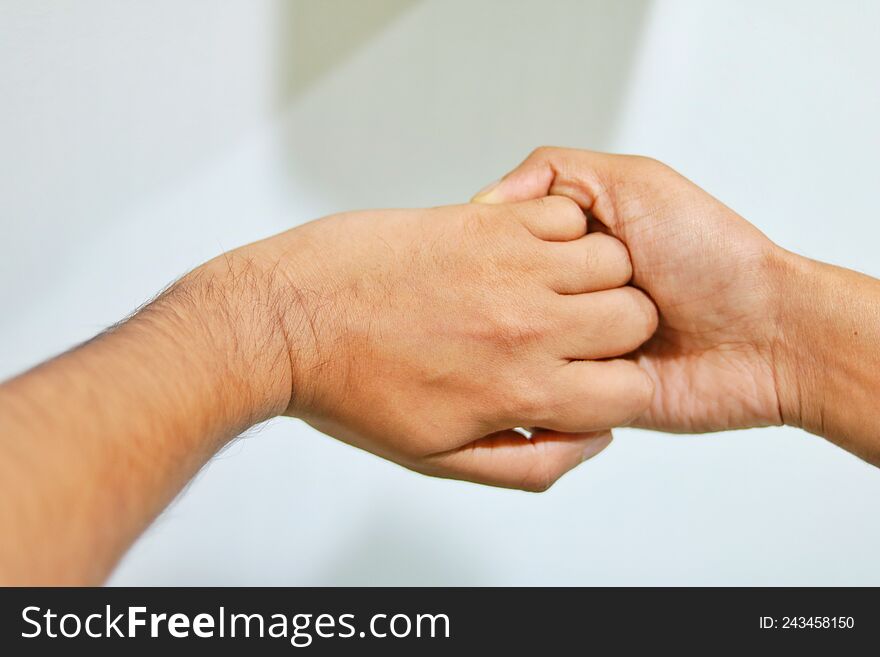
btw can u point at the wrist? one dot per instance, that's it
(230, 308)
(797, 353)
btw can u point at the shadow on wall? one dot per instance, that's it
(108, 105)
(99, 117)
(452, 95)
(314, 37)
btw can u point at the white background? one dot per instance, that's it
(137, 139)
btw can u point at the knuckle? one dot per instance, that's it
(591, 261)
(649, 166)
(565, 206)
(560, 211)
(618, 250)
(650, 318)
(618, 313)
(527, 400)
(645, 161)
(536, 208)
(511, 331)
(641, 311)
(615, 255)
(543, 152)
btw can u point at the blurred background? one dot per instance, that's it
(138, 139)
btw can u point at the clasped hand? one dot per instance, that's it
(428, 336)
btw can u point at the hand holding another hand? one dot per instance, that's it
(749, 334)
(708, 270)
(426, 336)
(429, 336)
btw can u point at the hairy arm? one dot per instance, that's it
(423, 336)
(95, 443)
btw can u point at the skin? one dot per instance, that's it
(424, 336)
(750, 334)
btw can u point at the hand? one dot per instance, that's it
(712, 275)
(422, 336)
(426, 336)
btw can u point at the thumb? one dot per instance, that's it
(583, 176)
(530, 180)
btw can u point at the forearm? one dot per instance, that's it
(340, 322)
(829, 377)
(96, 442)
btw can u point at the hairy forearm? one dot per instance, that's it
(94, 443)
(829, 377)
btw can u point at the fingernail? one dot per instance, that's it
(484, 193)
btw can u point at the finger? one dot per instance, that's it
(532, 178)
(593, 262)
(552, 218)
(603, 324)
(511, 460)
(584, 396)
(583, 176)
